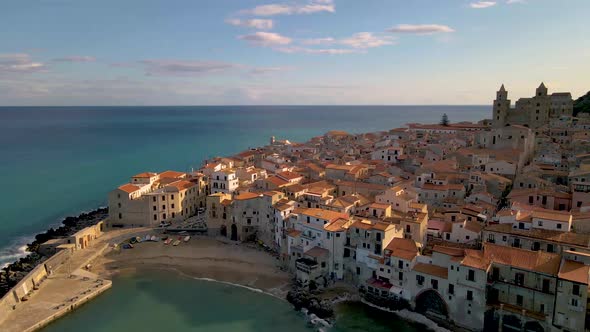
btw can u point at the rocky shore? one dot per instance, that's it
(13, 273)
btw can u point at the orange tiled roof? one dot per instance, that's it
(455, 252)
(537, 261)
(144, 175)
(129, 188)
(433, 270)
(574, 271)
(246, 195)
(172, 174)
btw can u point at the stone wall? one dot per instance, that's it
(34, 279)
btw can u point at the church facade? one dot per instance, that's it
(532, 112)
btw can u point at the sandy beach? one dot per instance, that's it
(201, 257)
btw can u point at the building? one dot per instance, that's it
(533, 112)
(150, 199)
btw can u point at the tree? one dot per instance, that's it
(444, 121)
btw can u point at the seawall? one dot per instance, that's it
(62, 312)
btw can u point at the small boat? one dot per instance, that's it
(154, 238)
(127, 246)
(187, 238)
(147, 238)
(133, 240)
(168, 240)
(177, 242)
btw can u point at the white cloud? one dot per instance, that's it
(163, 67)
(360, 40)
(482, 4)
(306, 50)
(366, 40)
(19, 63)
(268, 70)
(318, 41)
(256, 23)
(76, 58)
(510, 2)
(421, 29)
(315, 6)
(266, 39)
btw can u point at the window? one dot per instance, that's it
(337, 234)
(172, 214)
(559, 226)
(469, 295)
(120, 216)
(172, 206)
(546, 285)
(154, 208)
(420, 279)
(576, 289)
(155, 217)
(408, 229)
(171, 196)
(400, 276)
(519, 279)
(434, 283)
(451, 289)
(400, 264)
(358, 270)
(163, 198)
(549, 247)
(471, 275)
(574, 302)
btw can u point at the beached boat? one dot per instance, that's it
(168, 240)
(177, 242)
(127, 246)
(154, 238)
(187, 238)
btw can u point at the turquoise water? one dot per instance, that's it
(59, 161)
(168, 302)
(172, 303)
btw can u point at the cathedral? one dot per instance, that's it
(532, 112)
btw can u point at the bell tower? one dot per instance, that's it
(501, 108)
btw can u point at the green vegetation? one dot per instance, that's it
(582, 104)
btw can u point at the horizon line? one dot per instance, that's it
(252, 105)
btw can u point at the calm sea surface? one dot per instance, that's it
(59, 161)
(169, 302)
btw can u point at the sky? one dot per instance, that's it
(289, 52)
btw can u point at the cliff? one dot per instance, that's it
(582, 104)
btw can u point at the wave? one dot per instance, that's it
(410, 316)
(18, 248)
(14, 252)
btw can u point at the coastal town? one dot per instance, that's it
(480, 226)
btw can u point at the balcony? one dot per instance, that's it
(519, 310)
(306, 265)
(308, 237)
(500, 280)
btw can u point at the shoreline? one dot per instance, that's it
(23, 256)
(203, 258)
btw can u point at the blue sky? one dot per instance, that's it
(216, 52)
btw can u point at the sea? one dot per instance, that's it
(166, 301)
(60, 161)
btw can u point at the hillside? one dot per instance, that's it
(582, 104)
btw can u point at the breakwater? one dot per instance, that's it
(13, 273)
